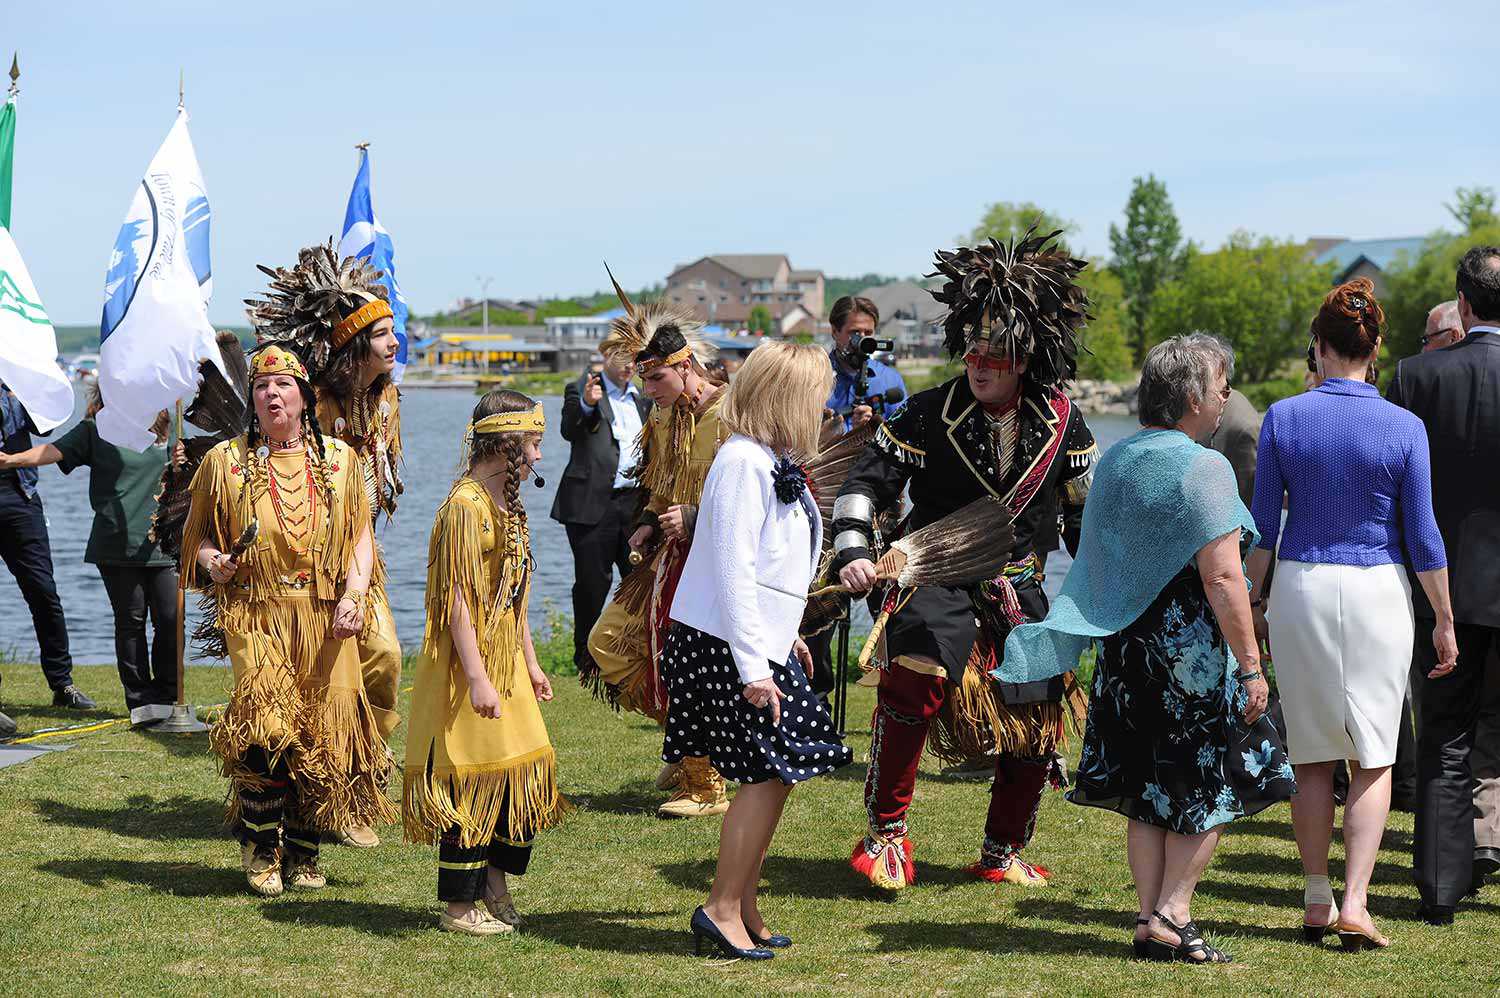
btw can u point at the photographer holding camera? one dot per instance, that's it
(598, 497)
(862, 386)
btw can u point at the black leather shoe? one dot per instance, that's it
(1486, 862)
(7, 728)
(1435, 914)
(73, 698)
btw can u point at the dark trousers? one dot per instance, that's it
(134, 592)
(462, 872)
(28, 555)
(1449, 710)
(270, 812)
(599, 549)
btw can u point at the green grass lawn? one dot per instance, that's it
(120, 879)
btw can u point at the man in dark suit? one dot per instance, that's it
(27, 552)
(1456, 392)
(597, 499)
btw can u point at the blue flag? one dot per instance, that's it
(365, 236)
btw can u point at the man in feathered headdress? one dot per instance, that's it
(1005, 429)
(678, 444)
(335, 313)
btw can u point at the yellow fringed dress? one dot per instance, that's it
(374, 431)
(494, 778)
(677, 449)
(297, 691)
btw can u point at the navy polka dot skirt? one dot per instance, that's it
(709, 715)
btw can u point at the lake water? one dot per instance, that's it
(432, 426)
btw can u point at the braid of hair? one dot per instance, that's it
(513, 464)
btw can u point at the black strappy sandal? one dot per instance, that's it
(1141, 947)
(1191, 946)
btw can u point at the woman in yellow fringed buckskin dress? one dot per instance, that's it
(333, 311)
(678, 444)
(481, 775)
(298, 741)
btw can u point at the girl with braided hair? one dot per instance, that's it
(277, 538)
(481, 774)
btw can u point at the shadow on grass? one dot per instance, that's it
(993, 937)
(823, 879)
(143, 817)
(370, 917)
(635, 797)
(193, 880)
(1262, 864)
(1122, 921)
(181, 746)
(612, 931)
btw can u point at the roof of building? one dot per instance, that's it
(1381, 253)
(752, 266)
(904, 296)
(805, 275)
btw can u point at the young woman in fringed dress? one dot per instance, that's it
(481, 774)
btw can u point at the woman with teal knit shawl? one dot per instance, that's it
(1177, 740)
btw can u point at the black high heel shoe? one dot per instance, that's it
(704, 928)
(1141, 947)
(776, 941)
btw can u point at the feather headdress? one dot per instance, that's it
(316, 306)
(1021, 297)
(666, 331)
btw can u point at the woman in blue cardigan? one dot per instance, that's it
(1355, 475)
(736, 672)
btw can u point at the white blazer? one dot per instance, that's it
(751, 561)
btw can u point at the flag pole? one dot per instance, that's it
(15, 75)
(183, 720)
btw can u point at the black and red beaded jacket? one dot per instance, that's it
(940, 447)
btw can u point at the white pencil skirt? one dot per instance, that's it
(1341, 641)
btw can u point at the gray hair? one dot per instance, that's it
(1445, 316)
(1178, 371)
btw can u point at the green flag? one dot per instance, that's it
(7, 155)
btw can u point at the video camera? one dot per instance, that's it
(866, 347)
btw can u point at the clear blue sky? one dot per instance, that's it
(528, 141)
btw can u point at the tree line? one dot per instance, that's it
(1257, 292)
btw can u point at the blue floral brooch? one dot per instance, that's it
(790, 479)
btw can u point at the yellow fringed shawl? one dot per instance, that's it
(298, 693)
(489, 777)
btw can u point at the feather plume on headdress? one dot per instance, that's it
(1022, 297)
(661, 327)
(307, 303)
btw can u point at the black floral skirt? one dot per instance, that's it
(708, 715)
(1165, 742)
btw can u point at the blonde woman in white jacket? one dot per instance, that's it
(736, 672)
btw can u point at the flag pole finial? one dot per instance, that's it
(15, 73)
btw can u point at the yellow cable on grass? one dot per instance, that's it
(81, 729)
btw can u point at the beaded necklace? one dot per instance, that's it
(287, 504)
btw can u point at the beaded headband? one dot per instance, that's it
(652, 363)
(275, 360)
(528, 421)
(367, 313)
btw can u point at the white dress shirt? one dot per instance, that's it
(625, 424)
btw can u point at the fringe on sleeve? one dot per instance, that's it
(208, 518)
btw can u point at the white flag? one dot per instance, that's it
(28, 346)
(155, 329)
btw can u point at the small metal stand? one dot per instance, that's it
(184, 721)
(841, 671)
